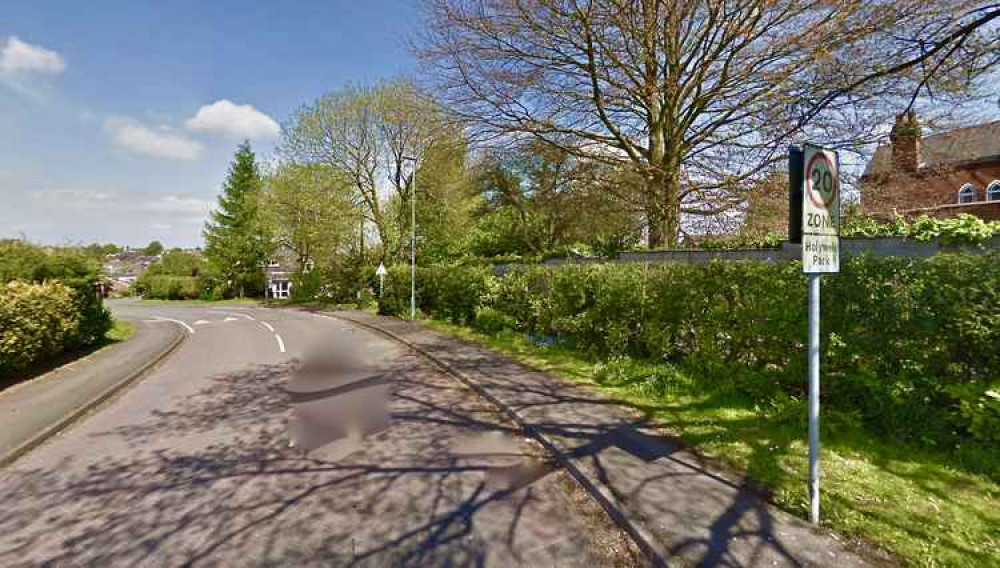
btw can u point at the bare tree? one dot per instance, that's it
(700, 96)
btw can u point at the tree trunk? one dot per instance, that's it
(663, 206)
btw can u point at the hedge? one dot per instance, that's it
(36, 321)
(906, 342)
(166, 287)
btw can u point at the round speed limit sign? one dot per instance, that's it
(821, 180)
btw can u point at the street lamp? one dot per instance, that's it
(413, 239)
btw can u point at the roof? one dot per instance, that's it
(952, 147)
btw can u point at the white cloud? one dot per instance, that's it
(135, 137)
(175, 204)
(20, 57)
(235, 121)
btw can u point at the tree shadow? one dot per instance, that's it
(682, 505)
(212, 480)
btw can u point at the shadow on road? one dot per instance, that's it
(213, 480)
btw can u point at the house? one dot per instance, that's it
(279, 272)
(941, 175)
(124, 268)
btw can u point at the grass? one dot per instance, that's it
(918, 504)
(121, 330)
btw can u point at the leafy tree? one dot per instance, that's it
(371, 134)
(309, 211)
(154, 248)
(236, 245)
(539, 198)
(177, 262)
(99, 251)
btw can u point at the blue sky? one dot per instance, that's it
(118, 118)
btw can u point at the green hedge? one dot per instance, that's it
(33, 326)
(166, 287)
(907, 342)
(36, 321)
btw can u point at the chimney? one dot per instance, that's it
(905, 137)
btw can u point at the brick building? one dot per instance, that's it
(941, 175)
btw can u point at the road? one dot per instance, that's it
(277, 437)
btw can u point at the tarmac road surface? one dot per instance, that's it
(276, 437)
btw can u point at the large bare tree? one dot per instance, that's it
(700, 96)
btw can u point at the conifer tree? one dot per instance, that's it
(236, 246)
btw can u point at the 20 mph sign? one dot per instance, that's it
(820, 212)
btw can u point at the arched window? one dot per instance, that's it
(993, 191)
(967, 194)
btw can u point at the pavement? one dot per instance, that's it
(283, 438)
(679, 509)
(36, 409)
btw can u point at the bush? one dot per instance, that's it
(164, 287)
(906, 341)
(492, 321)
(36, 321)
(54, 270)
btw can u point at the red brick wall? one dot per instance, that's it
(902, 192)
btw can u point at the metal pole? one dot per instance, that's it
(814, 398)
(413, 245)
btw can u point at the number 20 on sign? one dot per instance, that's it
(820, 212)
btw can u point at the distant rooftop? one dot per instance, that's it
(946, 148)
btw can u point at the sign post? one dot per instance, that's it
(381, 272)
(820, 255)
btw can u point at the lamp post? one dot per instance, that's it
(413, 239)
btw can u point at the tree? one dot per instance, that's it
(154, 248)
(538, 197)
(177, 262)
(371, 135)
(700, 97)
(310, 212)
(236, 245)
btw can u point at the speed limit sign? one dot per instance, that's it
(820, 211)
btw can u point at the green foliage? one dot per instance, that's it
(154, 248)
(36, 321)
(901, 335)
(963, 229)
(177, 263)
(236, 243)
(169, 287)
(492, 321)
(740, 242)
(71, 267)
(178, 275)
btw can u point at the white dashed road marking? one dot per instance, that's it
(281, 344)
(267, 325)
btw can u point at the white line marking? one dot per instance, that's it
(230, 318)
(186, 326)
(201, 322)
(281, 344)
(245, 316)
(267, 325)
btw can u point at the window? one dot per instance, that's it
(993, 191)
(967, 194)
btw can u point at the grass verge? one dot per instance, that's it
(918, 504)
(120, 331)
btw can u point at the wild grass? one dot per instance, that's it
(924, 506)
